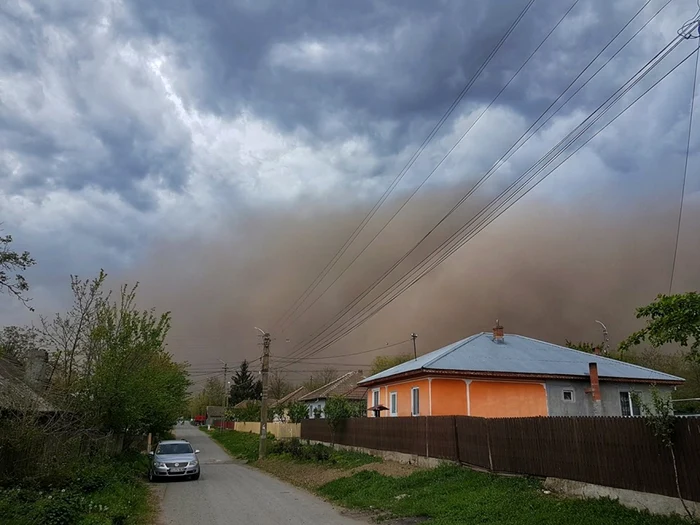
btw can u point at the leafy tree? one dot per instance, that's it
(11, 262)
(211, 395)
(660, 417)
(669, 319)
(384, 362)
(297, 412)
(244, 386)
(338, 411)
(17, 341)
(583, 346)
(132, 386)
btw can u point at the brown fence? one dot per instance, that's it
(616, 452)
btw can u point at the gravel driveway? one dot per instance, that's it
(229, 492)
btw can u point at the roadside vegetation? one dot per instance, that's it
(104, 492)
(82, 390)
(455, 495)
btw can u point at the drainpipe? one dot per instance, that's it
(595, 389)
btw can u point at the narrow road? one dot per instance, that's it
(229, 492)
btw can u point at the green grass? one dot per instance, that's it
(454, 495)
(244, 445)
(241, 445)
(103, 492)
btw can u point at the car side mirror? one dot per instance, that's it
(196, 451)
(150, 453)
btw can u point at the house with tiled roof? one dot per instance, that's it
(20, 385)
(345, 386)
(508, 375)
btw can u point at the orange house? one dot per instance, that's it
(497, 375)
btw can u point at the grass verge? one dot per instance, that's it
(454, 495)
(104, 492)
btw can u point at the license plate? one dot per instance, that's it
(179, 469)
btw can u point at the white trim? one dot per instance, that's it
(393, 404)
(430, 396)
(469, 398)
(379, 395)
(571, 391)
(413, 408)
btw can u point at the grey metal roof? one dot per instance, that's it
(345, 385)
(521, 355)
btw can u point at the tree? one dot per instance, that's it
(132, 386)
(582, 346)
(69, 336)
(338, 411)
(244, 386)
(669, 319)
(211, 395)
(384, 362)
(11, 262)
(659, 416)
(297, 412)
(18, 341)
(321, 378)
(278, 387)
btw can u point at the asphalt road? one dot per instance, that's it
(229, 492)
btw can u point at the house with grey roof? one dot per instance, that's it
(508, 375)
(345, 386)
(21, 384)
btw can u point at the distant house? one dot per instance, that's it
(345, 386)
(20, 385)
(292, 397)
(508, 375)
(215, 414)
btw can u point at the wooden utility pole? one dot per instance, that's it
(263, 402)
(415, 354)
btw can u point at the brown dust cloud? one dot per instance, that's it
(545, 269)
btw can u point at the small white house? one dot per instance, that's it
(345, 386)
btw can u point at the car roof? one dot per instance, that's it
(173, 441)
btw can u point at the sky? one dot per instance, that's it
(220, 152)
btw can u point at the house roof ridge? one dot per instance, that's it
(457, 346)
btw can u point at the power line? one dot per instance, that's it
(643, 72)
(484, 224)
(312, 287)
(349, 355)
(442, 160)
(514, 148)
(685, 170)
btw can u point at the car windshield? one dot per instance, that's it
(174, 448)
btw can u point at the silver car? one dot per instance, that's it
(173, 459)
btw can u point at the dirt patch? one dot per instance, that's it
(311, 475)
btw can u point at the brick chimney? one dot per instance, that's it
(498, 333)
(595, 389)
(596, 350)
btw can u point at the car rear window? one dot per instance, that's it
(174, 448)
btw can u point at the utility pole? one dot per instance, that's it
(226, 393)
(263, 402)
(415, 354)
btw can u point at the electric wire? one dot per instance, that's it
(618, 95)
(404, 170)
(517, 145)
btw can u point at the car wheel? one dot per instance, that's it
(151, 477)
(195, 476)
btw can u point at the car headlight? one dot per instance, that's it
(193, 463)
(158, 464)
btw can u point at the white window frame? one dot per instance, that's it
(415, 394)
(573, 395)
(376, 395)
(630, 393)
(393, 404)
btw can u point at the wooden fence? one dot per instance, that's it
(615, 452)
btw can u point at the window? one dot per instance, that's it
(375, 397)
(628, 405)
(166, 449)
(415, 402)
(567, 395)
(393, 404)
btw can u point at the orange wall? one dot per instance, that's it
(494, 399)
(449, 397)
(453, 397)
